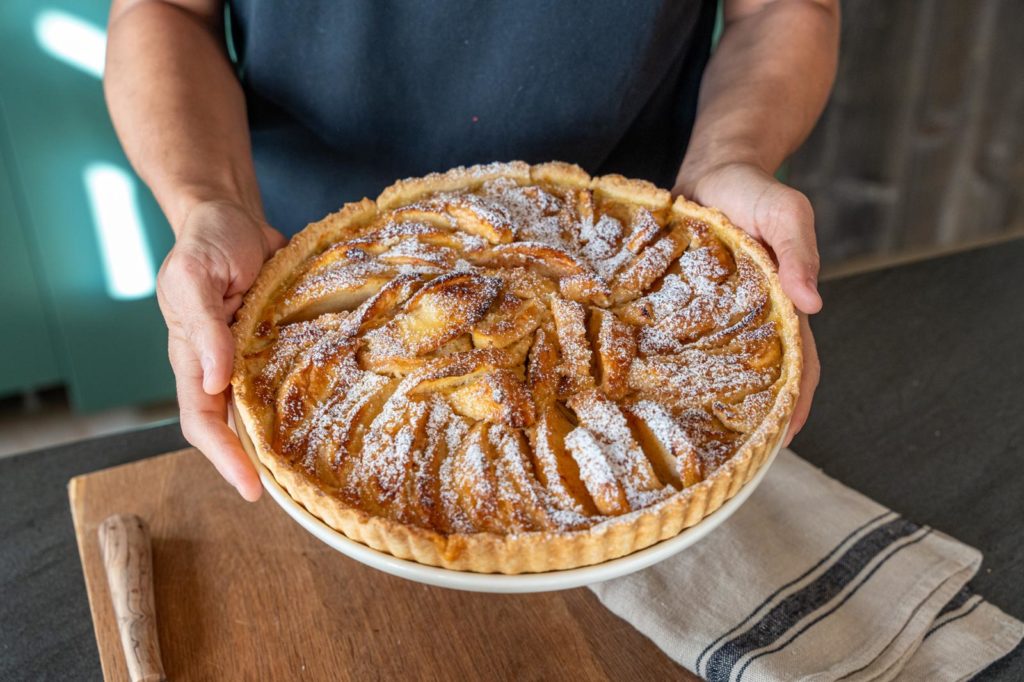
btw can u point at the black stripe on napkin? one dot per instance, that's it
(778, 647)
(839, 545)
(958, 600)
(806, 601)
(939, 625)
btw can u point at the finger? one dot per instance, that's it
(786, 222)
(808, 381)
(204, 423)
(196, 305)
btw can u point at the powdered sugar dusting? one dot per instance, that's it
(683, 344)
(596, 468)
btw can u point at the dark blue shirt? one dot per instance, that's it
(346, 96)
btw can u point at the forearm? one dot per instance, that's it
(764, 87)
(178, 107)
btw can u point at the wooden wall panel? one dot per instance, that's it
(921, 144)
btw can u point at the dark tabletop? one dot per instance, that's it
(919, 407)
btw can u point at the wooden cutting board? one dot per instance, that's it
(242, 592)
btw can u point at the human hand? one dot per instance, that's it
(781, 218)
(219, 250)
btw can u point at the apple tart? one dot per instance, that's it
(513, 368)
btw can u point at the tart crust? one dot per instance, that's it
(531, 551)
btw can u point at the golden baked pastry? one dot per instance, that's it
(513, 368)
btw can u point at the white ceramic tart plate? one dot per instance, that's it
(521, 583)
(535, 560)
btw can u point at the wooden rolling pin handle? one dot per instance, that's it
(127, 557)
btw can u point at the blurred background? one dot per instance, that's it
(919, 152)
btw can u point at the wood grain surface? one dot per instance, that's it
(242, 592)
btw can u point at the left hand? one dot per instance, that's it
(781, 218)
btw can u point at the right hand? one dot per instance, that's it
(219, 250)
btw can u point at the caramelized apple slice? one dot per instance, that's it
(350, 418)
(749, 309)
(614, 346)
(486, 484)
(584, 204)
(443, 375)
(444, 431)
(672, 333)
(497, 396)
(759, 348)
(585, 288)
(643, 228)
(479, 388)
(570, 323)
(597, 472)
(379, 308)
(544, 202)
(745, 415)
(601, 239)
(277, 359)
(324, 370)
(673, 456)
(320, 437)
(704, 240)
(525, 283)
(748, 322)
(431, 213)
(696, 377)
(576, 280)
(510, 319)
(469, 489)
(634, 279)
(542, 374)
(477, 217)
(399, 364)
(391, 233)
(447, 307)
(517, 353)
(387, 460)
(605, 422)
(440, 311)
(413, 253)
(670, 298)
(335, 289)
(519, 493)
(555, 468)
(545, 259)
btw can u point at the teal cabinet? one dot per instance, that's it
(81, 236)
(27, 345)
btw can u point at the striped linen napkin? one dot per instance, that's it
(812, 580)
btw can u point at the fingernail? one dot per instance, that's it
(207, 362)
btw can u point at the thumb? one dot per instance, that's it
(789, 230)
(275, 240)
(798, 273)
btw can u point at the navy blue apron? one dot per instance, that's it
(346, 96)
